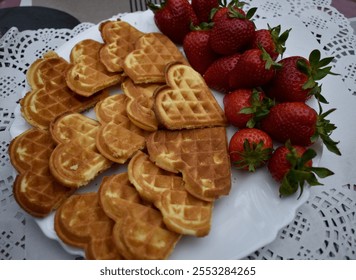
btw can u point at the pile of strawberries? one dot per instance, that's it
(264, 94)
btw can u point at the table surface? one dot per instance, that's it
(323, 228)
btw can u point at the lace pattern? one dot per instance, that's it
(324, 227)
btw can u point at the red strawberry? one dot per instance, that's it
(222, 11)
(296, 79)
(232, 33)
(216, 76)
(203, 8)
(250, 148)
(197, 49)
(254, 68)
(245, 107)
(271, 40)
(292, 167)
(173, 18)
(299, 123)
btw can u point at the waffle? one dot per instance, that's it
(119, 139)
(35, 189)
(119, 40)
(87, 75)
(75, 161)
(182, 212)
(81, 222)
(199, 154)
(139, 106)
(106, 109)
(36, 74)
(139, 232)
(186, 101)
(153, 51)
(49, 96)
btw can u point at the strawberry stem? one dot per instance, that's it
(324, 128)
(300, 172)
(316, 70)
(279, 39)
(153, 7)
(259, 108)
(253, 156)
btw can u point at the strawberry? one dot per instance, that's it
(299, 123)
(245, 107)
(202, 8)
(232, 32)
(173, 18)
(197, 49)
(254, 68)
(250, 148)
(271, 40)
(297, 79)
(291, 166)
(216, 76)
(223, 9)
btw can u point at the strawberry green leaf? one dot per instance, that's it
(279, 39)
(316, 70)
(259, 108)
(268, 60)
(153, 7)
(301, 172)
(324, 128)
(314, 57)
(251, 12)
(252, 156)
(322, 172)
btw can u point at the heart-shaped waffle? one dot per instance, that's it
(50, 96)
(182, 212)
(118, 138)
(87, 75)
(186, 101)
(119, 40)
(111, 106)
(199, 154)
(153, 51)
(81, 222)
(35, 189)
(139, 106)
(139, 232)
(75, 161)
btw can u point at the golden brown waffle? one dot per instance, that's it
(139, 232)
(35, 76)
(119, 139)
(49, 96)
(139, 106)
(87, 75)
(186, 101)
(75, 161)
(199, 154)
(81, 222)
(182, 212)
(106, 109)
(119, 40)
(153, 51)
(35, 189)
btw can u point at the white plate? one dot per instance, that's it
(251, 216)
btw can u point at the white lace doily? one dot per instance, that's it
(324, 227)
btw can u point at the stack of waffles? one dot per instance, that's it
(153, 113)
